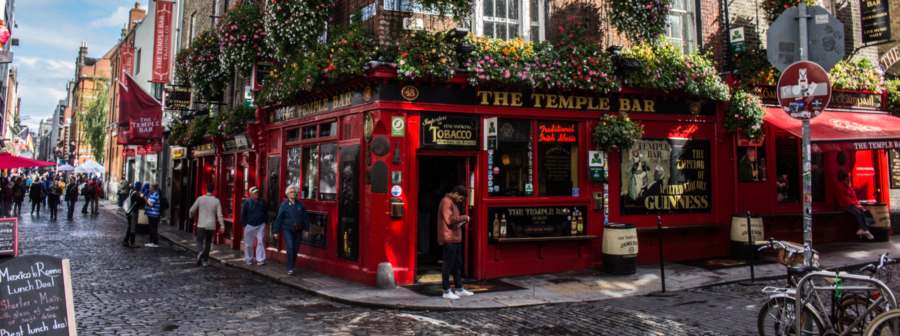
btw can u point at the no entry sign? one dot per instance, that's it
(804, 90)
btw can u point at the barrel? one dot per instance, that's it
(882, 227)
(143, 224)
(739, 248)
(620, 249)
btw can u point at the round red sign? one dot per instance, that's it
(804, 90)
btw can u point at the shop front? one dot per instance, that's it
(183, 177)
(373, 159)
(238, 174)
(203, 163)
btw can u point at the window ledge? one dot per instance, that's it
(542, 239)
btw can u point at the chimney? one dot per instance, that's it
(124, 31)
(82, 53)
(136, 14)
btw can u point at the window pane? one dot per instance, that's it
(535, 32)
(678, 5)
(328, 172)
(513, 30)
(309, 132)
(787, 168)
(294, 164)
(674, 30)
(489, 7)
(310, 172)
(327, 130)
(501, 31)
(534, 10)
(557, 150)
(500, 8)
(511, 168)
(513, 9)
(752, 164)
(488, 29)
(293, 135)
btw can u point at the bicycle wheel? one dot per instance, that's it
(887, 324)
(852, 307)
(777, 316)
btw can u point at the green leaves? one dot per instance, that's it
(667, 68)
(242, 37)
(893, 96)
(229, 121)
(745, 112)
(92, 117)
(204, 66)
(614, 132)
(425, 55)
(640, 20)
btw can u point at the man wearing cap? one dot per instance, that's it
(450, 224)
(254, 217)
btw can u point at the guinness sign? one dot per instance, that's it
(452, 131)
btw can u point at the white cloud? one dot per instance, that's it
(118, 18)
(49, 63)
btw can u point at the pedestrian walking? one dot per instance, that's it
(45, 181)
(449, 230)
(53, 199)
(83, 191)
(151, 209)
(132, 208)
(37, 195)
(5, 198)
(71, 197)
(292, 219)
(18, 196)
(123, 192)
(209, 210)
(93, 194)
(254, 216)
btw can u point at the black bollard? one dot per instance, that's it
(662, 268)
(751, 247)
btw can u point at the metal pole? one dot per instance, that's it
(804, 151)
(750, 248)
(662, 264)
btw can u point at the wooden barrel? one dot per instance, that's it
(882, 227)
(739, 239)
(620, 249)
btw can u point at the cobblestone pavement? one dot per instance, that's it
(128, 291)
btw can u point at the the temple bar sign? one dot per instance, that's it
(621, 103)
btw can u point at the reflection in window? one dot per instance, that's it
(309, 187)
(293, 135)
(327, 130)
(557, 152)
(512, 160)
(787, 168)
(309, 132)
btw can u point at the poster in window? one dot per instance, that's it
(328, 172)
(666, 176)
(272, 192)
(537, 222)
(318, 225)
(293, 167)
(348, 204)
(557, 158)
(751, 163)
(452, 131)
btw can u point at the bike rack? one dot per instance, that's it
(886, 292)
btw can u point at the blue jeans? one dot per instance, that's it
(452, 265)
(858, 215)
(292, 245)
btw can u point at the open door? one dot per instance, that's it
(469, 240)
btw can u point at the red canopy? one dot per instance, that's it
(835, 131)
(8, 161)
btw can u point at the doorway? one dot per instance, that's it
(437, 176)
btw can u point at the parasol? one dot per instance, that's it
(8, 161)
(65, 167)
(89, 166)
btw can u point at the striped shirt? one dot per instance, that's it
(152, 211)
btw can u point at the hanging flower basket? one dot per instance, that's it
(640, 20)
(295, 26)
(242, 36)
(207, 75)
(745, 113)
(614, 132)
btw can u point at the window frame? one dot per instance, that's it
(529, 30)
(688, 40)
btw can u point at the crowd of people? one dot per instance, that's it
(47, 191)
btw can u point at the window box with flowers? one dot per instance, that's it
(230, 121)
(617, 132)
(188, 134)
(746, 114)
(242, 36)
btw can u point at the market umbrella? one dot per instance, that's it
(8, 161)
(65, 167)
(89, 166)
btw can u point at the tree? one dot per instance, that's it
(92, 117)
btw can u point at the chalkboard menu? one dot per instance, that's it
(895, 168)
(9, 236)
(37, 297)
(318, 224)
(536, 222)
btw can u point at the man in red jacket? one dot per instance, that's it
(450, 224)
(847, 200)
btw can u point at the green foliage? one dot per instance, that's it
(617, 132)
(207, 74)
(745, 112)
(640, 20)
(242, 37)
(666, 68)
(426, 55)
(893, 96)
(860, 75)
(774, 8)
(294, 26)
(230, 121)
(753, 67)
(182, 71)
(176, 134)
(460, 10)
(93, 115)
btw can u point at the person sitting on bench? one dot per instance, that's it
(847, 200)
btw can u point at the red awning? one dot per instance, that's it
(835, 131)
(8, 161)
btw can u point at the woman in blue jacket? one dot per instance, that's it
(291, 221)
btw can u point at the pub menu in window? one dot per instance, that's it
(895, 168)
(666, 176)
(537, 222)
(36, 298)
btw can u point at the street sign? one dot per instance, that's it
(141, 150)
(875, 20)
(127, 152)
(826, 39)
(736, 37)
(804, 90)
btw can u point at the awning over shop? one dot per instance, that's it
(843, 131)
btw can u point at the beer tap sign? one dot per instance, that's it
(804, 90)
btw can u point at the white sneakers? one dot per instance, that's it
(151, 245)
(451, 295)
(448, 294)
(464, 292)
(866, 234)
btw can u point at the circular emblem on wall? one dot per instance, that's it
(396, 191)
(367, 93)
(695, 108)
(409, 93)
(380, 145)
(507, 130)
(368, 127)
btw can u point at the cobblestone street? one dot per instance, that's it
(129, 291)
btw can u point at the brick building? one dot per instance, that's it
(89, 72)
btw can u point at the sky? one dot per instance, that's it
(50, 33)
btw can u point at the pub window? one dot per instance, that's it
(752, 164)
(557, 157)
(309, 185)
(787, 168)
(507, 19)
(511, 159)
(680, 28)
(293, 135)
(328, 129)
(309, 132)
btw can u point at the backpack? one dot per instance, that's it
(84, 189)
(163, 204)
(92, 190)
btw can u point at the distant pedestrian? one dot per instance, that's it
(131, 214)
(71, 197)
(93, 194)
(83, 189)
(37, 195)
(151, 210)
(449, 230)
(45, 181)
(254, 216)
(18, 196)
(6, 197)
(53, 198)
(209, 210)
(123, 192)
(292, 219)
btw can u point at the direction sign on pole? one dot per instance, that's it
(826, 39)
(804, 90)
(736, 38)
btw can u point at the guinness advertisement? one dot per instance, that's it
(178, 98)
(666, 176)
(451, 131)
(839, 99)
(875, 20)
(537, 222)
